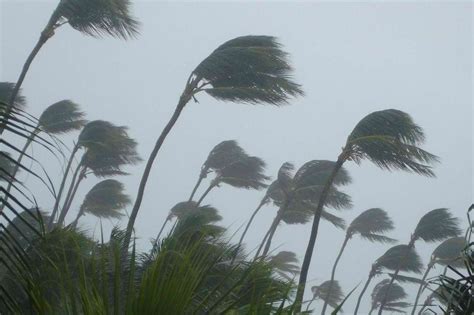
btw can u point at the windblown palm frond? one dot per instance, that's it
(371, 224)
(316, 172)
(6, 89)
(62, 117)
(181, 209)
(401, 257)
(106, 199)
(99, 17)
(7, 167)
(247, 172)
(199, 221)
(390, 139)
(223, 154)
(285, 177)
(393, 294)
(335, 295)
(437, 225)
(285, 264)
(250, 69)
(449, 252)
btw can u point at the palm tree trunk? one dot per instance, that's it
(272, 230)
(161, 231)
(262, 243)
(184, 99)
(333, 273)
(69, 200)
(247, 227)
(46, 34)
(17, 166)
(314, 233)
(309, 304)
(422, 286)
(208, 190)
(71, 188)
(79, 214)
(362, 293)
(198, 183)
(61, 187)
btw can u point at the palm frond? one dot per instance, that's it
(106, 199)
(378, 238)
(437, 225)
(316, 172)
(199, 221)
(370, 222)
(250, 69)
(285, 176)
(334, 220)
(390, 139)
(335, 295)
(449, 252)
(181, 209)
(7, 167)
(247, 172)
(6, 89)
(389, 294)
(224, 154)
(100, 17)
(406, 279)
(401, 257)
(285, 263)
(62, 117)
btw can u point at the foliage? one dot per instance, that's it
(393, 294)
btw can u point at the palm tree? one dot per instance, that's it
(91, 17)
(434, 226)
(394, 293)
(388, 138)
(105, 200)
(249, 69)
(296, 196)
(107, 148)
(369, 225)
(176, 211)
(246, 172)
(332, 296)
(59, 118)
(285, 264)
(447, 253)
(222, 155)
(398, 256)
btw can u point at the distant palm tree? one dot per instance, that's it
(434, 226)
(388, 138)
(177, 211)
(297, 196)
(222, 155)
(321, 292)
(285, 264)
(249, 69)
(398, 256)
(394, 293)
(91, 17)
(369, 225)
(447, 253)
(59, 118)
(106, 199)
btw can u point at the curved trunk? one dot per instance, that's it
(272, 231)
(79, 214)
(309, 304)
(68, 201)
(161, 231)
(362, 293)
(422, 286)
(314, 233)
(61, 187)
(333, 273)
(262, 243)
(208, 190)
(198, 183)
(184, 99)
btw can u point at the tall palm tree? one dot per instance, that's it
(91, 17)
(59, 118)
(436, 225)
(246, 172)
(388, 138)
(321, 292)
(447, 253)
(369, 225)
(395, 294)
(248, 69)
(222, 155)
(296, 196)
(106, 199)
(398, 256)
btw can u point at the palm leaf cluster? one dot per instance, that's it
(7, 166)
(401, 257)
(62, 117)
(371, 225)
(285, 264)
(436, 225)
(321, 292)
(394, 294)
(6, 90)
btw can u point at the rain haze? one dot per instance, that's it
(350, 58)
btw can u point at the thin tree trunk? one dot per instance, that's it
(46, 34)
(314, 233)
(262, 243)
(333, 273)
(71, 189)
(273, 229)
(362, 293)
(422, 286)
(184, 99)
(65, 210)
(161, 231)
(61, 187)
(208, 190)
(309, 304)
(247, 227)
(198, 183)
(79, 214)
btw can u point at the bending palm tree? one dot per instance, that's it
(91, 17)
(321, 292)
(434, 226)
(105, 200)
(388, 138)
(447, 253)
(398, 256)
(178, 211)
(394, 293)
(370, 225)
(249, 69)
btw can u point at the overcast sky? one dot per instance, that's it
(351, 59)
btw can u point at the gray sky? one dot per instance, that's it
(351, 58)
